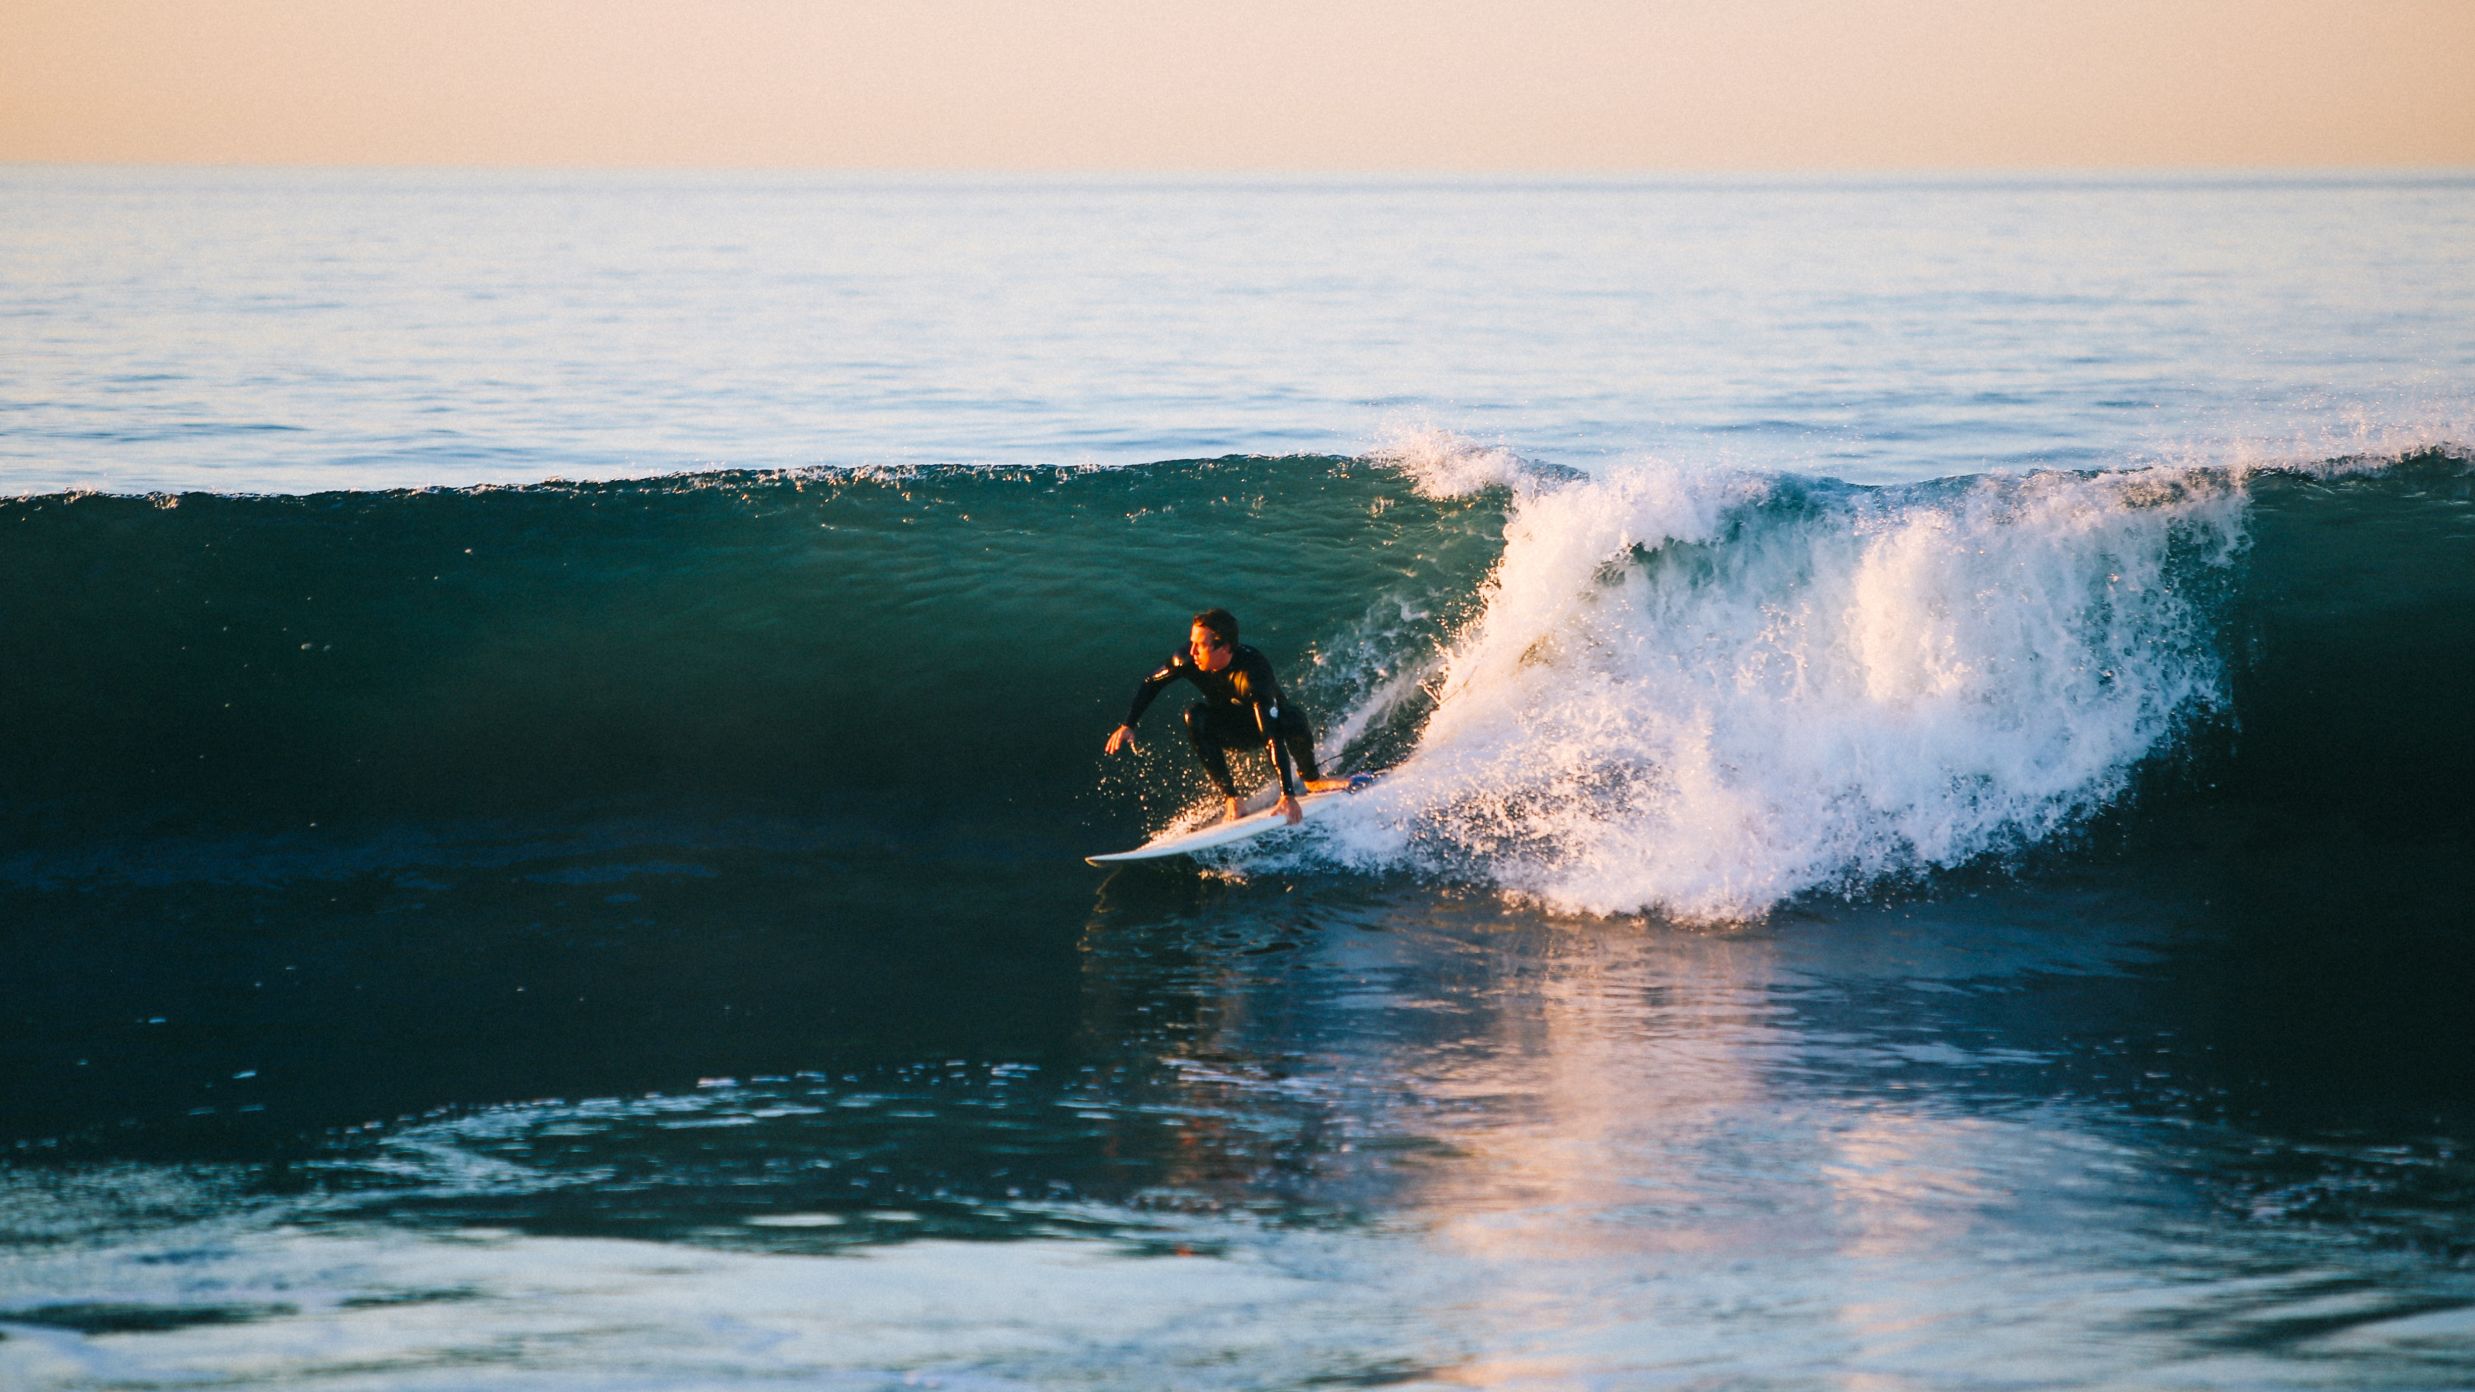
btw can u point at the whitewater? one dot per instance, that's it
(1706, 693)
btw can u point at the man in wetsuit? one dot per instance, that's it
(1242, 704)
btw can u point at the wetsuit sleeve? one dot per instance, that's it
(1169, 671)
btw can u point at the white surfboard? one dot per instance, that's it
(1260, 818)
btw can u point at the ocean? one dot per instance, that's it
(556, 719)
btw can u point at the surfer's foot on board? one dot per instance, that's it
(1237, 809)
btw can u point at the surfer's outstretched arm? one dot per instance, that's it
(1151, 687)
(1123, 736)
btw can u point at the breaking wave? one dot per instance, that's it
(1653, 688)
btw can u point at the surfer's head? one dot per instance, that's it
(1212, 642)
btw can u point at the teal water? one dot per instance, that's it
(1924, 844)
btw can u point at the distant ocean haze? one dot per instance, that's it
(251, 331)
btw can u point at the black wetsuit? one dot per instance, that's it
(1242, 704)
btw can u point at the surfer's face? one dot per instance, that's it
(1208, 651)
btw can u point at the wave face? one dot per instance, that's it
(918, 655)
(1694, 692)
(2353, 652)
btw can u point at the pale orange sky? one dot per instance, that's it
(1583, 85)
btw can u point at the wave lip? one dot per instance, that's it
(1441, 464)
(1703, 693)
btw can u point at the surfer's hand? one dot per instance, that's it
(1289, 810)
(1120, 738)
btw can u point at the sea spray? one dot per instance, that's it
(1441, 463)
(1705, 692)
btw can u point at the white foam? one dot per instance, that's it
(2341, 443)
(1704, 692)
(1442, 464)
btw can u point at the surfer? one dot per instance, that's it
(1242, 704)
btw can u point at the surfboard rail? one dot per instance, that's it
(1260, 818)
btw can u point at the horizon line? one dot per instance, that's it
(1574, 174)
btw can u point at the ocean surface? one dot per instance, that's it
(555, 719)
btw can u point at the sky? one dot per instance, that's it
(1244, 85)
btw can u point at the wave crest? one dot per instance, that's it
(1704, 693)
(1441, 464)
